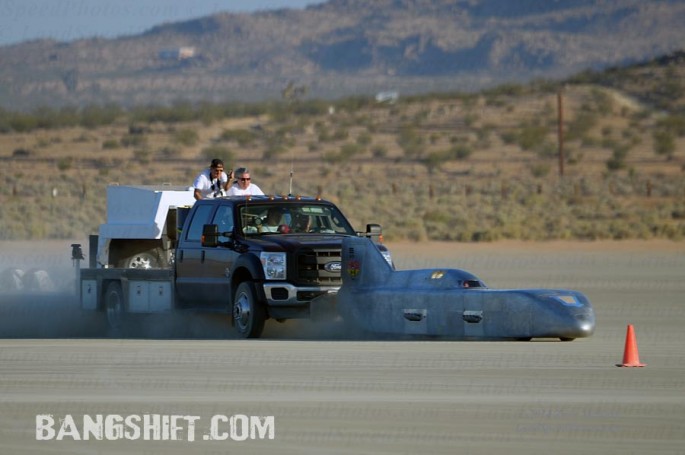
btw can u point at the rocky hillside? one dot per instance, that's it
(448, 166)
(341, 48)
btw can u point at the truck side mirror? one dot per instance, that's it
(210, 235)
(375, 232)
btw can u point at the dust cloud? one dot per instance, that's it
(38, 292)
(38, 299)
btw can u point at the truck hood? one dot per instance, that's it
(292, 242)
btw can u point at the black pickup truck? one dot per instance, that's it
(257, 258)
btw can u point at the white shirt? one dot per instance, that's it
(267, 228)
(251, 190)
(207, 187)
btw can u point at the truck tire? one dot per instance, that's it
(249, 314)
(115, 309)
(143, 260)
(138, 254)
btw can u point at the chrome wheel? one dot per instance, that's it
(142, 261)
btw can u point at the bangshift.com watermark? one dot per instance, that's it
(154, 427)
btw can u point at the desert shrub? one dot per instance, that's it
(547, 149)
(324, 134)
(133, 140)
(348, 151)
(581, 125)
(241, 136)
(64, 164)
(186, 137)
(180, 111)
(94, 116)
(170, 152)
(217, 151)
(331, 157)
(21, 152)
(310, 108)
(282, 136)
(410, 141)
(509, 89)
(483, 134)
(664, 143)
(539, 170)
(354, 103)
(22, 123)
(615, 164)
(379, 151)
(273, 150)
(459, 152)
(364, 139)
(142, 155)
(84, 138)
(340, 134)
(508, 137)
(674, 123)
(110, 144)
(470, 119)
(603, 102)
(531, 136)
(434, 160)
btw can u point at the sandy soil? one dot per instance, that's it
(335, 395)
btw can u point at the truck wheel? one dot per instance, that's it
(249, 315)
(115, 307)
(143, 260)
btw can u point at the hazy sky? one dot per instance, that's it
(67, 20)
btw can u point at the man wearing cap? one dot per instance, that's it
(213, 181)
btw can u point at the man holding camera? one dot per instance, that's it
(213, 181)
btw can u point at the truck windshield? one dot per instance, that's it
(293, 219)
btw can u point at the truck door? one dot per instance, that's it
(218, 261)
(191, 287)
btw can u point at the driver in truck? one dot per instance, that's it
(272, 222)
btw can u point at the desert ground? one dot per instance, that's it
(333, 394)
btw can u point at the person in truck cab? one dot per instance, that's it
(301, 223)
(273, 222)
(213, 181)
(243, 185)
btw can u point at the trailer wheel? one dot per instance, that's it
(249, 314)
(115, 307)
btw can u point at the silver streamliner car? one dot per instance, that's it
(451, 303)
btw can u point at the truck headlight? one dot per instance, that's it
(274, 265)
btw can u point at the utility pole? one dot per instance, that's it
(560, 130)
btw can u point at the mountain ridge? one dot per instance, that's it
(342, 48)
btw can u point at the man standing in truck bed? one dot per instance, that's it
(212, 181)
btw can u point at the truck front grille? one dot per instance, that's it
(318, 267)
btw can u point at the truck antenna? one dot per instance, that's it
(292, 159)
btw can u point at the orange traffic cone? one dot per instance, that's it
(631, 358)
